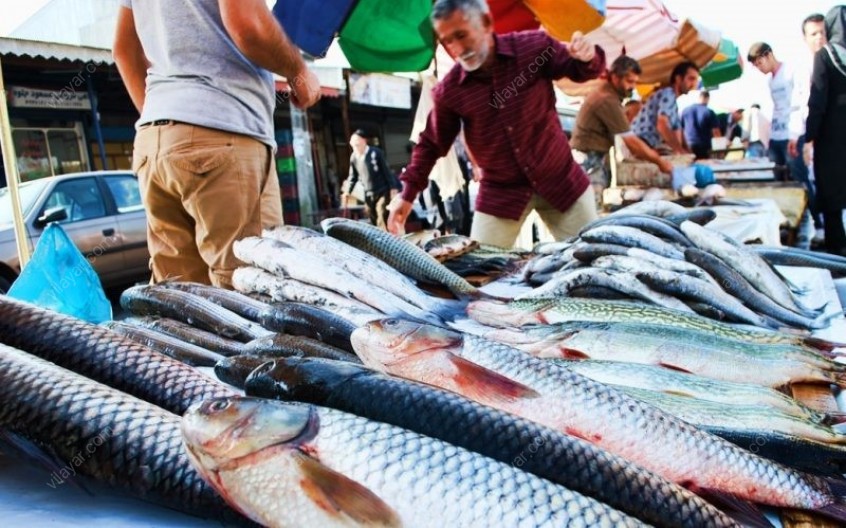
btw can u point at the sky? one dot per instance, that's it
(743, 21)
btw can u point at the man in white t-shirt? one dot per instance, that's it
(781, 89)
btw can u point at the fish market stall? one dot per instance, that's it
(359, 371)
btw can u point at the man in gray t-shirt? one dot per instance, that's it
(200, 73)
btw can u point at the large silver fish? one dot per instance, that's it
(251, 279)
(287, 464)
(283, 260)
(95, 431)
(399, 254)
(631, 237)
(511, 380)
(549, 311)
(364, 266)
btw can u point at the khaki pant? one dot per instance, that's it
(203, 189)
(377, 208)
(502, 232)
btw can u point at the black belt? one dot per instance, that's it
(163, 122)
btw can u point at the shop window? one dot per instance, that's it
(45, 152)
(126, 193)
(81, 199)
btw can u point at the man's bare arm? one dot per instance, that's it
(669, 135)
(642, 151)
(129, 58)
(261, 39)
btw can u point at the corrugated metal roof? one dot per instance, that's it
(51, 50)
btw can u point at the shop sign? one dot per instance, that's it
(21, 97)
(380, 90)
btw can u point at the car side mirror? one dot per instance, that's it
(54, 214)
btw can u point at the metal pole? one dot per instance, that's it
(12, 178)
(95, 112)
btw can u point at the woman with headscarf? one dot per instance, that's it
(826, 128)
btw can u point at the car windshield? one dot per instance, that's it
(29, 192)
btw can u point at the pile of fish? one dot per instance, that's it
(668, 259)
(480, 263)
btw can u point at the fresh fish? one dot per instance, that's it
(734, 283)
(364, 266)
(549, 311)
(649, 224)
(635, 265)
(231, 300)
(672, 334)
(288, 464)
(539, 390)
(449, 246)
(654, 378)
(401, 255)
(626, 283)
(683, 356)
(784, 256)
(661, 208)
(298, 319)
(598, 292)
(740, 417)
(551, 248)
(561, 459)
(421, 238)
(631, 237)
(679, 266)
(700, 215)
(191, 309)
(236, 369)
(706, 310)
(189, 334)
(684, 286)
(287, 290)
(96, 431)
(167, 345)
(283, 260)
(104, 356)
(281, 345)
(546, 264)
(745, 262)
(589, 252)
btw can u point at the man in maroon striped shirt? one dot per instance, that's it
(501, 93)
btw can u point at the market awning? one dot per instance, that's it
(325, 91)
(52, 51)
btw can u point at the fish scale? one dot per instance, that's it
(559, 458)
(549, 311)
(104, 356)
(102, 433)
(427, 482)
(404, 257)
(689, 455)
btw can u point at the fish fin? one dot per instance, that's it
(571, 353)
(449, 310)
(484, 384)
(822, 344)
(742, 511)
(679, 393)
(338, 494)
(674, 367)
(29, 450)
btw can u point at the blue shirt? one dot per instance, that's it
(645, 124)
(699, 121)
(197, 75)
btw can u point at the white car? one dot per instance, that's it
(100, 211)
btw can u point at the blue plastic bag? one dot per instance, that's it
(59, 278)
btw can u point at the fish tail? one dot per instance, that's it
(822, 344)
(451, 310)
(837, 508)
(744, 512)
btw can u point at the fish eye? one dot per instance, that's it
(392, 322)
(218, 406)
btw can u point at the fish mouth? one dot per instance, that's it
(243, 442)
(418, 339)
